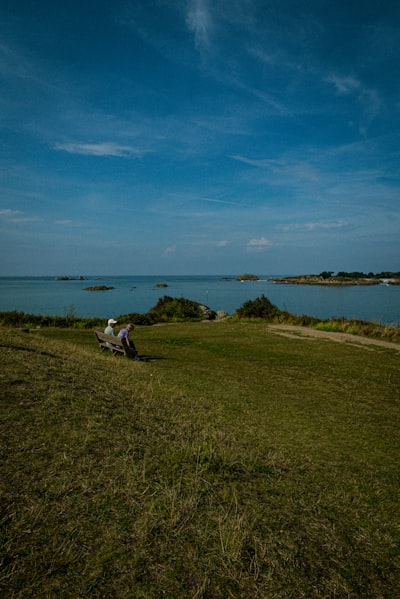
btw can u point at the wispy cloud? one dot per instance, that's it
(68, 222)
(259, 245)
(368, 98)
(100, 149)
(215, 201)
(14, 64)
(8, 213)
(344, 85)
(315, 226)
(16, 216)
(199, 23)
(299, 169)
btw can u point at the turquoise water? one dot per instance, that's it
(45, 295)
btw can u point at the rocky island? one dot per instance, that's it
(342, 279)
(66, 278)
(98, 288)
(247, 277)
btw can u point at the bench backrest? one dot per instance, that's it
(109, 338)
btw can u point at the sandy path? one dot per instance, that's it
(298, 332)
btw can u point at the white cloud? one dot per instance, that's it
(258, 245)
(223, 243)
(99, 149)
(170, 250)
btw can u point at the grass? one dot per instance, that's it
(236, 464)
(360, 327)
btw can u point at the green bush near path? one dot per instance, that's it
(238, 463)
(261, 307)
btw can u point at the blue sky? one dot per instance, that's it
(199, 136)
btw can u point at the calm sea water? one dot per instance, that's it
(45, 295)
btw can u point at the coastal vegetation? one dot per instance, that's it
(170, 309)
(238, 463)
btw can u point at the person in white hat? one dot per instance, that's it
(109, 330)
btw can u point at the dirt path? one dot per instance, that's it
(298, 332)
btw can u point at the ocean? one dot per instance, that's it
(48, 296)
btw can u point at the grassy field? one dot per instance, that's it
(238, 463)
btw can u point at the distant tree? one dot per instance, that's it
(352, 275)
(326, 274)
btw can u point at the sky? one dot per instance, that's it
(199, 137)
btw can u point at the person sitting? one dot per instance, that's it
(128, 343)
(109, 330)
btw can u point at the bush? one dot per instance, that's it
(261, 307)
(172, 309)
(139, 319)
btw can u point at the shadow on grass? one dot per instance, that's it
(147, 359)
(26, 349)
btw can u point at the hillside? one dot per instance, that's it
(238, 463)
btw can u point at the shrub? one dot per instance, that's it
(261, 307)
(139, 319)
(172, 309)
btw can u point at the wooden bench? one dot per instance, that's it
(113, 344)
